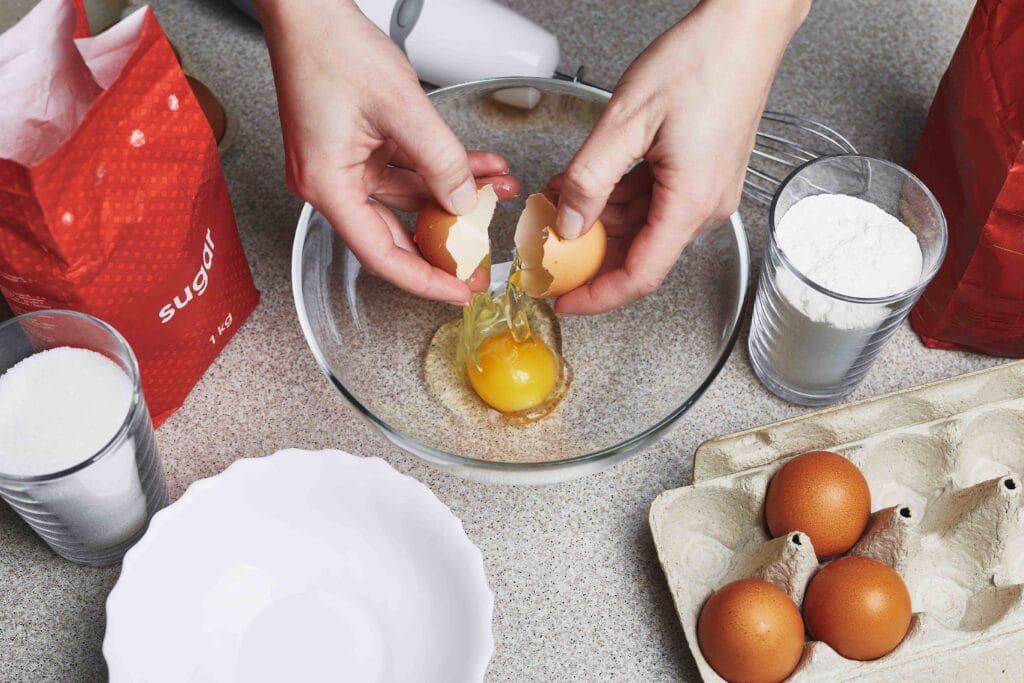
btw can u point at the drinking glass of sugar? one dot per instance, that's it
(78, 460)
(852, 243)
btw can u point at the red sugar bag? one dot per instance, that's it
(972, 157)
(112, 199)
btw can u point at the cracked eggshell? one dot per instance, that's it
(456, 244)
(552, 266)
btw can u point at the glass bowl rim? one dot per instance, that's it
(414, 445)
(926, 276)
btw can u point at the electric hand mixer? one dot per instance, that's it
(456, 41)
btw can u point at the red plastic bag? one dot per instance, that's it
(972, 157)
(112, 199)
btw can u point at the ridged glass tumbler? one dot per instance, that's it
(801, 356)
(93, 511)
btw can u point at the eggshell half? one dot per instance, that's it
(552, 266)
(456, 244)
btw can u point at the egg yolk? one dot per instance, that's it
(512, 376)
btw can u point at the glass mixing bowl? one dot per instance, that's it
(636, 370)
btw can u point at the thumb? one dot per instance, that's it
(433, 151)
(616, 142)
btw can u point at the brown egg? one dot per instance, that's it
(750, 630)
(822, 494)
(211, 107)
(552, 266)
(859, 606)
(456, 244)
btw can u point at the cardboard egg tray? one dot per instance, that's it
(943, 462)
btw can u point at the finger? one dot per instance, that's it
(621, 220)
(614, 256)
(370, 239)
(484, 163)
(481, 163)
(505, 186)
(401, 238)
(405, 190)
(620, 138)
(433, 150)
(633, 184)
(480, 280)
(377, 163)
(651, 256)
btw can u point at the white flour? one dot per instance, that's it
(848, 246)
(817, 345)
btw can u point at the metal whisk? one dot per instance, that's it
(785, 141)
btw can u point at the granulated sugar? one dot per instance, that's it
(59, 407)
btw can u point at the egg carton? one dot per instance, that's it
(943, 462)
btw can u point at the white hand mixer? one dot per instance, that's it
(457, 41)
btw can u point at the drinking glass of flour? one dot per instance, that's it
(852, 243)
(78, 460)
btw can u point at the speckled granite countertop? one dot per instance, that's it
(579, 594)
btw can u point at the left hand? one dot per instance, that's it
(690, 105)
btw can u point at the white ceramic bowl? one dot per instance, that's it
(302, 566)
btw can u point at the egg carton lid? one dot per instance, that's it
(744, 450)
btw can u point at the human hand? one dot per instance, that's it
(360, 136)
(690, 106)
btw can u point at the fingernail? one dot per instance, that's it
(463, 199)
(570, 222)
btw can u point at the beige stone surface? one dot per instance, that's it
(579, 593)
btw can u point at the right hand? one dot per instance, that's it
(689, 106)
(360, 136)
